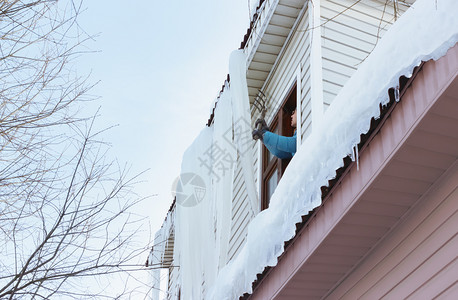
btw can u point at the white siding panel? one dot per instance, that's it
(287, 10)
(357, 39)
(306, 105)
(296, 54)
(278, 30)
(267, 48)
(350, 31)
(307, 121)
(241, 212)
(281, 20)
(239, 228)
(257, 74)
(292, 3)
(254, 81)
(272, 39)
(327, 99)
(260, 66)
(332, 87)
(346, 59)
(342, 49)
(262, 57)
(335, 77)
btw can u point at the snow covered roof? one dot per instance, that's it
(426, 31)
(326, 190)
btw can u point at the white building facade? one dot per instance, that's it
(299, 54)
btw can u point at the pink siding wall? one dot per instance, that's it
(419, 259)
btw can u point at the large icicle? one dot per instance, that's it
(242, 123)
(203, 222)
(156, 256)
(192, 223)
(424, 32)
(224, 160)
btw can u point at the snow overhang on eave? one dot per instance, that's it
(268, 38)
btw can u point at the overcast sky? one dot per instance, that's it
(160, 66)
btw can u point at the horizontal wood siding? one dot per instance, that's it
(241, 212)
(349, 32)
(418, 260)
(296, 54)
(173, 287)
(306, 104)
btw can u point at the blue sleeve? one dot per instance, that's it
(280, 146)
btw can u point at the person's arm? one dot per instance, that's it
(280, 146)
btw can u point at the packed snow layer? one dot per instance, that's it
(426, 31)
(242, 123)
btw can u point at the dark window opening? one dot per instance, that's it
(273, 167)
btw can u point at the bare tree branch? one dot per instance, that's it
(66, 225)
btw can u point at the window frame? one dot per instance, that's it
(282, 120)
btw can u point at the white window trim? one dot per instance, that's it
(298, 106)
(316, 65)
(296, 79)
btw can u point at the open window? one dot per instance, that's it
(273, 167)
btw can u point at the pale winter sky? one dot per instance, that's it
(161, 64)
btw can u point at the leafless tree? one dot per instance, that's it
(65, 221)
